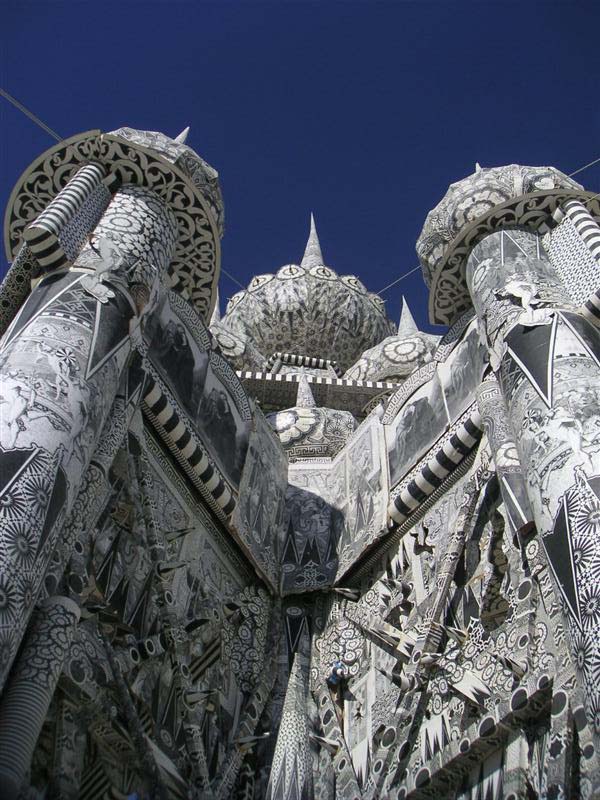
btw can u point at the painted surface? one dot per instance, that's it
(293, 642)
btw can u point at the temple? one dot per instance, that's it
(297, 550)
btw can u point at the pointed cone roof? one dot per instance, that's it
(181, 138)
(312, 255)
(407, 325)
(305, 397)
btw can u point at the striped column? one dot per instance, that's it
(589, 232)
(591, 308)
(188, 452)
(312, 362)
(42, 235)
(30, 689)
(437, 469)
(585, 224)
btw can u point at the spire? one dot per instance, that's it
(216, 314)
(407, 325)
(181, 138)
(477, 166)
(305, 397)
(312, 255)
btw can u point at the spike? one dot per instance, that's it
(182, 137)
(407, 325)
(477, 166)
(216, 315)
(312, 255)
(305, 397)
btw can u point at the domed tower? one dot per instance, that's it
(397, 356)
(305, 319)
(309, 313)
(519, 244)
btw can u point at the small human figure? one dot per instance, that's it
(338, 673)
(15, 412)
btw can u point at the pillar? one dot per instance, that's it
(61, 361)
(547, 359)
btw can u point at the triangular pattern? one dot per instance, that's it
(532, 350)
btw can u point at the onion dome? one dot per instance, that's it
(489, 199)
(398, 356)
(308, 309)
(307, 430)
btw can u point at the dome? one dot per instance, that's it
(308, 431)
(498, 197)
(308, 309)
(397, 356)
(204, 177)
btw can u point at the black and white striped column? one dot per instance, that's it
(585, 225)
(312, 362)
(589, 231)
(42, 235)
(185, 448)
(437, 469)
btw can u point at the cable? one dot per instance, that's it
(591, 164)
(30, 114)
(401, 278)
(235, 280)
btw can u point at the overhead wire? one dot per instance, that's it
(37, 121)
(401, 278)
(30, 115)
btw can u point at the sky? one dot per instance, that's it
(361, 112)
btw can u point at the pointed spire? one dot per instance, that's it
(216, 314)
(312, 255)
(477, 166)
(305, 397)
(407, 325)
(181, 138)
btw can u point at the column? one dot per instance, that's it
(60, 365)
(547, 358)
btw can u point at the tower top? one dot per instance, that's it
(407, 325)
(312, 254)
(182, 137)
(305, 397)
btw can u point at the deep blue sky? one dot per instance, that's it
(363, 112)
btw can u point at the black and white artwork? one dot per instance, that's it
(200, 601)
(462, 372)
(202, 383)
(419, 423)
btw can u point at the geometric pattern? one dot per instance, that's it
(394, 594)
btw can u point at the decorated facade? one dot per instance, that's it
(297, 551)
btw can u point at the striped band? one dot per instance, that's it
(585, 225)
(327, 380)
(184, 446)
(437, 469)
(42, 234)
(591, 308)
(303, 361)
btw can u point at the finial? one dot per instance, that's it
(216, 314)
(407, 325)
(181, 138)
(305, 397)
(312, 255)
